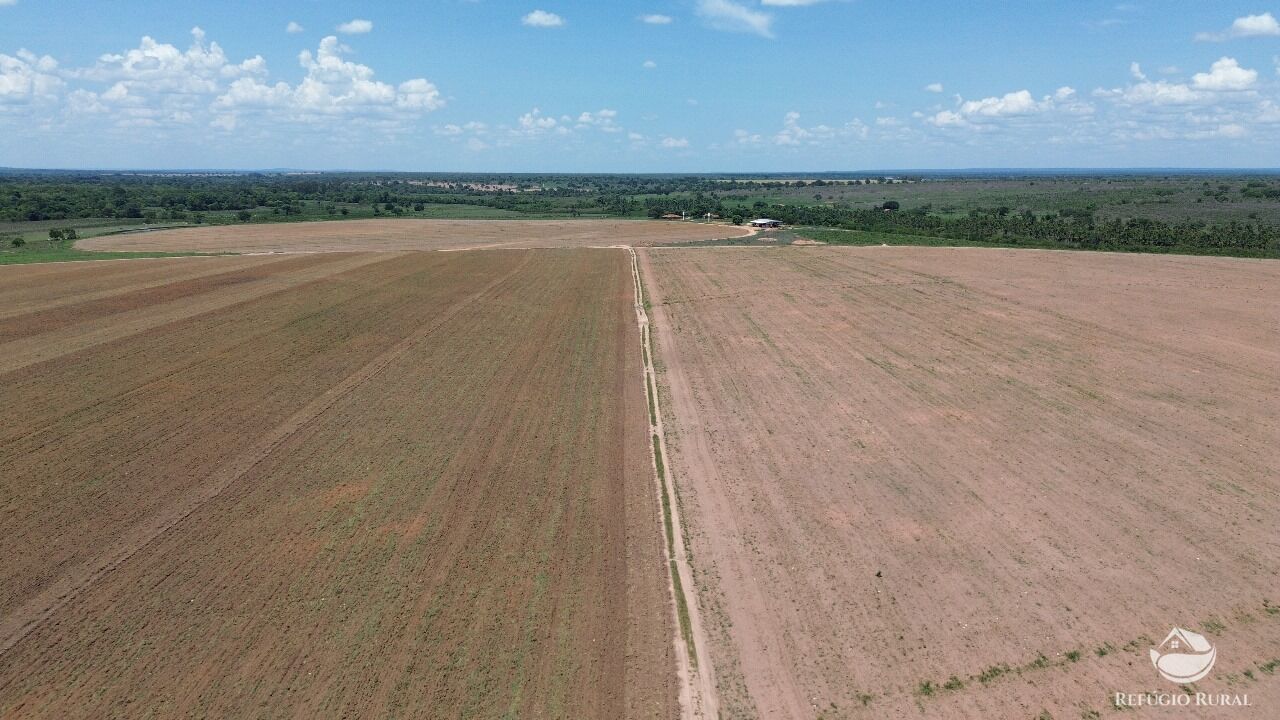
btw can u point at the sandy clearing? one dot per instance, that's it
(904, 465)
(397, 235)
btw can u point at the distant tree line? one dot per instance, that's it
(1069, 229)
(251, 197)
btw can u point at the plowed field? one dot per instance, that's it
(338, 485)
(927, 482)
(390, 235)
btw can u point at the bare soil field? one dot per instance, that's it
(393, 235)
(338, 485)
(933, 482)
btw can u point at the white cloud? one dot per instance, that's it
(1225, 74)
(1014, 103)
(795, 134)
(933, 87)
(4, 3)
(649, 64)
(1010, 105)
(656, 19)
(542, 19)
(791, 3)
(534, 122)
(1160, 92)
(293, 28)
(355, 27)
(731, 17)
(1225, 81)
(156, 85)
(26, 77)
(418, 93)
(1231, 130)
(674, 143)
(333, 86)
(601, 119)
(1263, 25)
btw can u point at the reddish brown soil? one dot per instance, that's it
(1017, 469)
(342, 485)
(390, 235)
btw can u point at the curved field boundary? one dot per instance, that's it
(697, 678)
(44, 605)
(409, 234)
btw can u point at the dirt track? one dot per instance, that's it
(331, 485)
(972, 483)
(393, 235)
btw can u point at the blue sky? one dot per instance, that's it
(661, 85)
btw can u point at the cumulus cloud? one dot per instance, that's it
(333, 87)
(293, 28)
(537, 126)
(656, 19)
(542, 19)
(355, 27)
(649, 64)
(793, 133)
(1225, 74)
(156, 84)
(4, 3)
(1262, 25)
(731, 17)
(1020, 103)
(933, 87)
(601, 119)
(1224, 80)
(674, 143)
(26, 77)
(535, 123)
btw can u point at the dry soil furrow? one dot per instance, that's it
(470, 534)
(28, 351)
(50, 285)
(40, 608)
(894, 486)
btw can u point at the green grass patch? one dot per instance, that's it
(666, 498)
(648, 385)
(682, 615)
(994, 672)
(28, 255)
